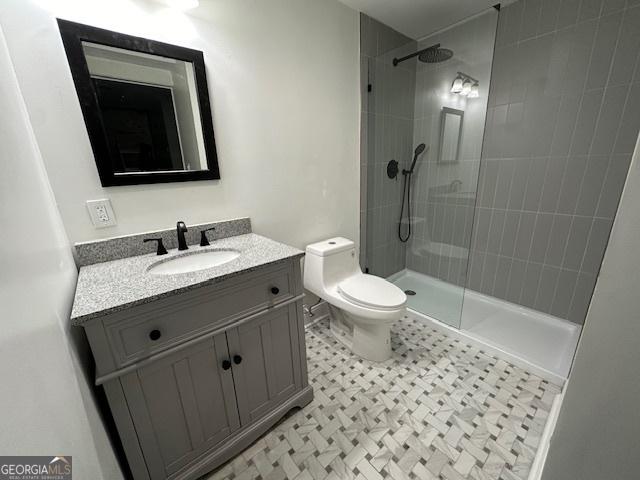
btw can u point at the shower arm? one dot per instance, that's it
(396, 61)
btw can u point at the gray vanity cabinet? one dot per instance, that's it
(269, 371)
(182, 405)
(194, 378)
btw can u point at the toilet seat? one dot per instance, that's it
(372, 292)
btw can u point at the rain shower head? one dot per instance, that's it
(435, 55)
(432, 54)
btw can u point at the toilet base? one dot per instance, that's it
(369, 341)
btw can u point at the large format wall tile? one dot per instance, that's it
(387, 133)
(561, 126)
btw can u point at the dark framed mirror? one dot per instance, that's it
(145, 105)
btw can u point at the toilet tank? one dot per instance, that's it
(329, 262)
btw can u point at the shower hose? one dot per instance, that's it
(406, 193)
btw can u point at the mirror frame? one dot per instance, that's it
(443, 123)
(73, 34)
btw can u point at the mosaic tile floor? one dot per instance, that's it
(438, 409)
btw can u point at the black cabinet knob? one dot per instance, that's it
(226, 364)
(275, 290)
(237, 359)
(154, 335)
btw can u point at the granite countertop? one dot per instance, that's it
(119, 284)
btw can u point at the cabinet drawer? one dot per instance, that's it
(150, 328)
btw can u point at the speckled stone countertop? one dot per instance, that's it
(113, 286)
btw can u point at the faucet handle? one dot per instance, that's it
(204, 241)
(161, 250)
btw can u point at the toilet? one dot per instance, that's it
(362, 307)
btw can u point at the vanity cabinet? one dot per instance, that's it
(182, 405)
(269, 371)
(195, 378)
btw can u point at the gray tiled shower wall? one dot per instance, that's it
(387, 133)
(561, 126)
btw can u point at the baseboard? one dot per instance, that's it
(319, 311)
(316, 319)
(545, 440)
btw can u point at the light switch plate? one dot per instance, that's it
(101, 213)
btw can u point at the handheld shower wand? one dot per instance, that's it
(419, 149)
(406, 193)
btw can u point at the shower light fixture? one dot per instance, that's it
(465, 85)
(456, 87)
(466, 88)
(474, 93)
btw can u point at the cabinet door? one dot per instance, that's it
(269, 370)
(182, 405)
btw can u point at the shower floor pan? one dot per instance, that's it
(541, 343)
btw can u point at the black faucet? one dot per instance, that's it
(180, 229)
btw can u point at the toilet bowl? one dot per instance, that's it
(362, 307)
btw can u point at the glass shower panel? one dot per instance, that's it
(437, 98)
(388, 129)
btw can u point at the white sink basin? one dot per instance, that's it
(192, 262)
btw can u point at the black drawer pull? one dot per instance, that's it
(275, 290)
(154, 335)
(226, 364)
(237, 359)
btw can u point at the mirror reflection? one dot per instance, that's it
(149, 109)
(450, 135)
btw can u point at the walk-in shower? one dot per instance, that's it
(431, 205)
(504, 221)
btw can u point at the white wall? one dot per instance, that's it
(283, 78)
(598, 431)
(46, 405)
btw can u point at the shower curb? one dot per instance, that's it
(490, 349)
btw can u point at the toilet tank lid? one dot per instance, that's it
(330, 246)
